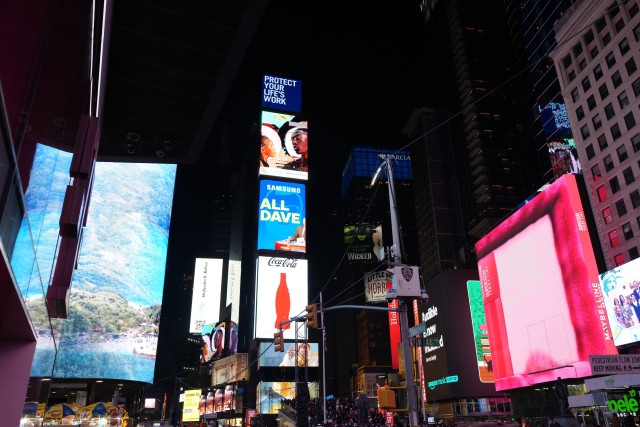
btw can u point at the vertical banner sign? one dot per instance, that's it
(394, 332)
(416, 318)
(281, 94)
(480, 332)
(190, 410)
(250, 414)
(207, 284)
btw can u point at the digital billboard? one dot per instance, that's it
(230, 369)
(234, 274)
(282, 225)
(116, 293)
(280, 93)
(212, 340)
(555, 120)
(281, 293)
(451, 362)
(480, 332)
(284, 146)
(205, 302)
(375, 286)
(564, 156)
(270, 357)
(364, 242)
(191, 408)
(542, 298)
(621, 291)
(270, 395)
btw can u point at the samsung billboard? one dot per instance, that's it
(543, 301)
(116, 293)
(284, 146)
(281, 293)
(282, 224)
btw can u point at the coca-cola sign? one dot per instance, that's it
(282, 262)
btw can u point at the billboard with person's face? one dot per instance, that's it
(213, 340)
(282, 224)
(284, 146)
(307, 355)
(364, 242)
(621, 290)
(281, 293)
(542, 298)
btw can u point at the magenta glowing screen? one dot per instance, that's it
(543, 303)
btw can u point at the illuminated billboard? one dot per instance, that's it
(621, 290)
(375, 286)
(555, 120)
(270, 395)
(270, 357)
(281, 293)
(284, 146)
(116, 293)
(280, 93)
(480, 332)
(234, 274)
(364, 242)
(192, 409)
(542, 298)
(282, 223)
(564, 156)
(230, 369)
(212, 340)
(205, 302)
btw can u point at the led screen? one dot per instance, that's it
(564, 157)
(281, 93)
(282, 223)
(234, 274)
(212, 339)
(270, 357)
(375, 286)
(205, 301)
(114, 313)
(480, 332)
(541, 292)
(150, 403)
(270, 395)
(621, 291)
(364, 242)
(281, 293)
(284, 148)
(555, 119)
(229, 398)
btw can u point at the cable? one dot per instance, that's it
(355, 283)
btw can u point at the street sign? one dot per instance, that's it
(615, 364)
(424, 342)
(418, 329)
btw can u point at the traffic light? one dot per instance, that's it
(312, 316)
(278, 341)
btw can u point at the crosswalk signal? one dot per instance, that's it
(312, 316)
(278, 341)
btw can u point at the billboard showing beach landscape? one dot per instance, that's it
(116, 293)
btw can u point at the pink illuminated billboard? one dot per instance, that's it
(543, 303)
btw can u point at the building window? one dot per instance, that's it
(619, 25)
(586, 84)
(635, 141)
(575, 95)
(635, 199)
(616, 79)
(613, 238)
(628, 175)
(597, 72)
(589, 37)
(601, 24)
(629, 120)
(584, 130)
(591, 153)
(622, 153)
(636, 87)
(594, 51)
(631, 66)
(619, 260)
(597, 123)
(615, 132)
(572, 75)
(627, 231)
(602, 142)
(582, 64)
(595, 172)
(608, 111)
(604, 91)
(602, 193)
(608, 217)
(633, 10)
(633, 252)
(577, 49)
(608, 163)
(606, 38)
(614, 184)
(636, 32)
(623, 46)
(580, 113)
(621, 207)
(610, 59)
(623, 100)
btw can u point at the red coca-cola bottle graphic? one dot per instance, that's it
(283, 302)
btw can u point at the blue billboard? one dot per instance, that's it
(555, 119)
(116, 293)
(282, 216)
(280, 93)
